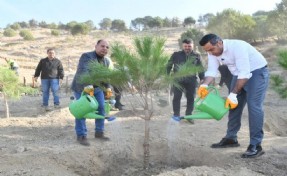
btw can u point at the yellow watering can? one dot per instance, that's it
(210, 107)
(86, 107)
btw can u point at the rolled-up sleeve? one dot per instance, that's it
(242, 62)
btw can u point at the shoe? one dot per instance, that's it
(114, 109)
(119, 107)
(57, 106)
(253, 151)
(47, 108)
(83, 140)
(100, 135)
(176, 118)
(225, 142)
(191, 121)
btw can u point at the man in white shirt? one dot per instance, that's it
(249, 85)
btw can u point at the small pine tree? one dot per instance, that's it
(278, 83)
(146, 70)
(10, 87)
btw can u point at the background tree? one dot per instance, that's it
(277, 21)
(232, 24)
(166, 22)
(137, 24)
(146, 21)
(62, 26)
(105, 24)
(90, 24)
(118, 25)
(175, 22)
(43, 24)
(52, 26)
(204, 19)
(155, 23)
(189, 21)
(16, 26)
(33, 23)
(71, 24)
(261, 29)
(278, 83)
(145, 67)
(10, 87)
(24, 24)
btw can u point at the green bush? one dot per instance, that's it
(15, 26)
(26, 34)
(278, 83)
(55, 32)
(9, 32)
(80, 29)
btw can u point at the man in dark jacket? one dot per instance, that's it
(52, 74)
(188, 84)
(99, 55)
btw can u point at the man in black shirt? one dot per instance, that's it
(52, 74)
(188, 84)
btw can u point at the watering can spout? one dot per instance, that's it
(198, 115)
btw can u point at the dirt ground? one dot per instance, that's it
(34, 142)
(37, 143)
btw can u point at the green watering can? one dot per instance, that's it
(210, 107)
(86, 107)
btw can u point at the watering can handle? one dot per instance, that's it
(209, 88)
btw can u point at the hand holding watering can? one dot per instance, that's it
(231, 101)
(209, 105)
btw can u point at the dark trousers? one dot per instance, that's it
(118, 95)
(189, 89)
(252, 94)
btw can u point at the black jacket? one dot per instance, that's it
(50, 69)
(179, 58)
(226, 76)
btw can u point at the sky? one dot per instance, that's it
(83, 10)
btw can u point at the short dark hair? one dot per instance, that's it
(187, 41)
(99, 41)
(50, 49)
(212, 38)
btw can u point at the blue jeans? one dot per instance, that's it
(253, 93)
(81, 129)
(52, 84)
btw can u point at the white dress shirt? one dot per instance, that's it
(240, 57)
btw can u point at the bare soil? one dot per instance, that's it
(34, 142)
